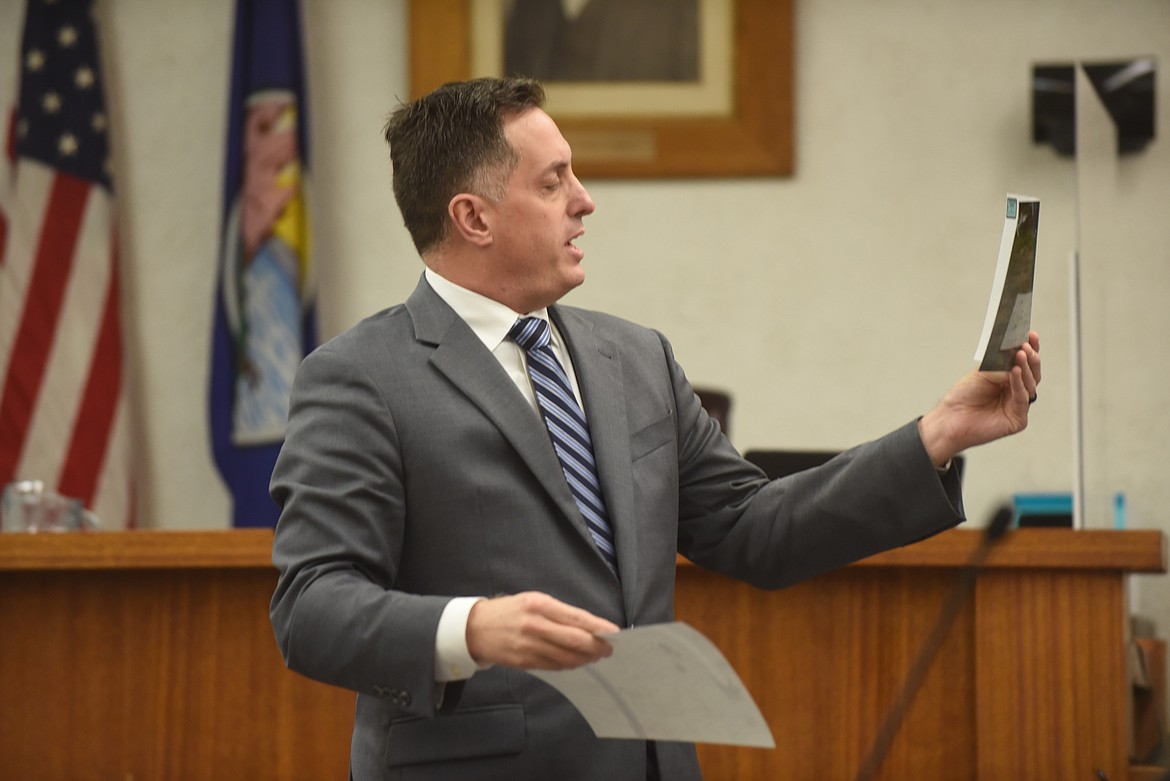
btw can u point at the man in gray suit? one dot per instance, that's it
(430, 547)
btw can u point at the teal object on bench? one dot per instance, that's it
(1043, 509)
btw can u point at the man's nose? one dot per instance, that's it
(585, 204)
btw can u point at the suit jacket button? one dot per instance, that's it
(402, 698)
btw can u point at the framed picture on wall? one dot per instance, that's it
(639, 88)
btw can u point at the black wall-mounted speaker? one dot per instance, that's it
(1126, 89)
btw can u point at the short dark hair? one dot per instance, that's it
(450, 141)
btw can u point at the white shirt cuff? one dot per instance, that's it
(453, 661)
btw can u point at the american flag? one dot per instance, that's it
(63, 397)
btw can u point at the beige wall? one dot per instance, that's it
(833, 305)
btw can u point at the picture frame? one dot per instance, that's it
(754, 138)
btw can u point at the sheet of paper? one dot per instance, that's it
(664, 682)
(1009, 309)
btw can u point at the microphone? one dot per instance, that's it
(995, 530)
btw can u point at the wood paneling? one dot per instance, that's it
(127, 672)
(825, 659)
(148, 655)
(1030, 682)
(1055, 700)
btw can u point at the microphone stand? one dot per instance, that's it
(917, 673)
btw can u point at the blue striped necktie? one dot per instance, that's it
(567, 429)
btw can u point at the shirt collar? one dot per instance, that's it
(489, 320)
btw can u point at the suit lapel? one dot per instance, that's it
(464, 360)
(597, 364)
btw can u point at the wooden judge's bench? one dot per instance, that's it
(148, 655)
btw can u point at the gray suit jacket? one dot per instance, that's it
(413, 471)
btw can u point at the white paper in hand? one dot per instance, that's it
(664, 682)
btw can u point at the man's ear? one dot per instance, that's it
(468, 218)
